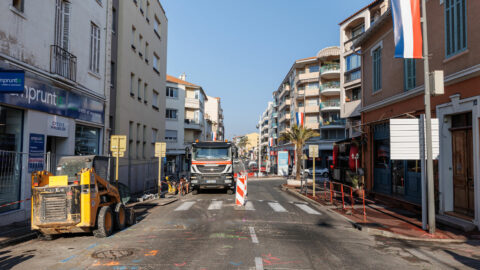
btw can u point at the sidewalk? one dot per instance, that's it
(385, 220)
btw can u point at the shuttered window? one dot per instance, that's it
(170, 135)
(455, 26)
(95, 49)
(62, 24)
(409, 76)
(377, 69)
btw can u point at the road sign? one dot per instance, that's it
(313, 151)
(118, 154)
(118, 143)
(160, 149)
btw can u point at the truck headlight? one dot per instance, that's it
(228, 181)
(194, 181)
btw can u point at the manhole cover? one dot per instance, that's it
(112, 254)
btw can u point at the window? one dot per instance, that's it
(62, 24)
(409, 70)
(141, 5)
(144, 142)
(356, 93)
(156, 26)
(133, 37)
(353, 61)
(114, 20)
(147, 11)
(139, 150)
(312, 102)
(455, 26)
(313, 85)
(155, 62)
(140, 39)
(377, 69)
(171, 135)
(171, 114)
(313, 68)
(357, 31)
(197, 94)
(172, 92)
(145, 87)
(86, 140)
(130, 139)
(146, 51)
(132, 78)
(301, 71)
(94, 49)
(112, 74)
(18, 5)
(154, 135)
(155, 99)
(139, 86)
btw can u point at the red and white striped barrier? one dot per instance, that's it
(12, 203)
(241, 192)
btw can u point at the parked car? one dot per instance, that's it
(324, 172)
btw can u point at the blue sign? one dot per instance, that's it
(282, 163)
(12, 81)
(42, 96)
(36, 152)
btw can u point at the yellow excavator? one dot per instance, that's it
(78, 198)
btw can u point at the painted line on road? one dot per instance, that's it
(215, 205)
(249, 206)
(258, 263)
(308, 210)
(185, 206)
(277, 207)
(253, 235)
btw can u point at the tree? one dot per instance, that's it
(298, 136)
(242, 143)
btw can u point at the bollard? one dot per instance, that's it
(351, 197)
(343, 197)
(364, 211)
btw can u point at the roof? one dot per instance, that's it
(373, 29)
(177, 80)
(356, 13)
(329, 51)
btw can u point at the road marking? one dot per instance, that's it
(253, 235)
(307, 209)
(258, 263)
(249, 206)
(215, 205)
(185, 206)
(277, 207)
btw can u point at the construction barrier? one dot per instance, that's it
(332, 190)
(241, 191)
(13, 203)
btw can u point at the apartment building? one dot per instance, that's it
(312, 86)
(214, 113)
(265, 132)
(351, 65)
(174, 125)
(138, 95)
(195, 121)
(61, 110)
(394, 88)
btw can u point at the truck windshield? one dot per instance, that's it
(211, 153)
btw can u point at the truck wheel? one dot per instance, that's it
(120, 216)
(104, 222)
(195, 192)
(230, 191)
(131, 217)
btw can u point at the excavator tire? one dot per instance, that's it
(120, 216)
(104, 222)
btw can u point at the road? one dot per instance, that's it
(275, 231)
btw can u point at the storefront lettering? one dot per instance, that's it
(38, 95)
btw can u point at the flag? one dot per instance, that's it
(214, 136)
(270, 142)
(407, 28)
(300, 117)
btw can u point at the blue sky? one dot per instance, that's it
(240, 50)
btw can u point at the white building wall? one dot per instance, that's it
(178, 125)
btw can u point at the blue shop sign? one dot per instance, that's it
(12, 81)
(41, 96)
(36, 156)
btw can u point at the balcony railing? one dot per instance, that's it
(63, 63)
(330, 67)
(329, 85)
(339, 122)
(330, 104)
(353, 75)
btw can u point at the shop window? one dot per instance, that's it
(11, 123)
(382, 154)
(86, 140)
(398, 177)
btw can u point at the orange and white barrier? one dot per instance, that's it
(241, 192)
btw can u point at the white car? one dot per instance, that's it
(323, 172)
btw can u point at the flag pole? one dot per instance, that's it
(428, 124)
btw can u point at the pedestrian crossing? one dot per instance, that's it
(275, 206)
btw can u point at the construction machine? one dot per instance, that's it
(78, 198)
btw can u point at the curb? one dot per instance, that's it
(371, 231)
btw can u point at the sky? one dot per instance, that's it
(241, 50)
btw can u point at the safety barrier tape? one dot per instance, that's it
(13, 203)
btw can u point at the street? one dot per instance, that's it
(274, 231)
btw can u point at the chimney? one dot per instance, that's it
(183, 77)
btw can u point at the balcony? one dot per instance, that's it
(312, 125)
(275, 115)
(285, 117)
(285, 89)
(331, 105)
(339, 123)
(330, 71)
(193, 124)
(312, 92)
(300, 94)
(63, 63)
(353, 75)
(309, 76)
(192, 103)
(312, 109)
(284, 104)
(330, 88)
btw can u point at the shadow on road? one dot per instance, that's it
(467, 261)
(142, 210)
(8, 261)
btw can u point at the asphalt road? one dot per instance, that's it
(275, 231)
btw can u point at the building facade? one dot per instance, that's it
(140, 75)
(393, 88)
(63, 106)
(195, 121)
(214, 112)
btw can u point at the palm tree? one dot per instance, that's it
(298, 136)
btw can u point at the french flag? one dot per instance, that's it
(300, 116)
(407, 28)
(270, 142)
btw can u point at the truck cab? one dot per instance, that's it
(211, 166)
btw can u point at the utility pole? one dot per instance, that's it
(428, 123)
(260, 145)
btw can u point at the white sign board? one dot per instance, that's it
(282, 163)
(57, 126)
(313, 151)
(405, 139)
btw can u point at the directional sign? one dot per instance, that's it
(313, 151)
(118, 143)
(160, 149)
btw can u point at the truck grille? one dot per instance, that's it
(54, 207)
(211, 169)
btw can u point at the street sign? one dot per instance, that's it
(118, 154)
(160, 149)
(313, 151)
(118, 143)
